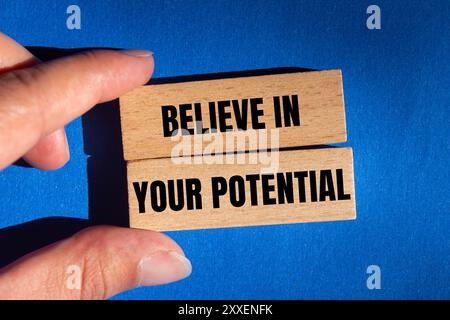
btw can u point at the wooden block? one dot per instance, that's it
(228, 195)
(305, 108)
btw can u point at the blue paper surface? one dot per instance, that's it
(397, 97)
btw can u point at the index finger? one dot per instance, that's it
(38, 100)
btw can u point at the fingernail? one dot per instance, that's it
(163, 267)
(138, 53)
(67, 146)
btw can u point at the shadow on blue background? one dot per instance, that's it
(397, 98)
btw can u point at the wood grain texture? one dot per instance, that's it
(320, 100)
(228, 215)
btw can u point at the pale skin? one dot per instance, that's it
(36, 101)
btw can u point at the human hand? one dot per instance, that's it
(36, 101)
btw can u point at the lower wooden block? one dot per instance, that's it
(216, 191)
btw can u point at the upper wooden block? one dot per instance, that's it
(305, 108)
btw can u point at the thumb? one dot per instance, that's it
(96, 263)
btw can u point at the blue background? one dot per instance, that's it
(396, 85)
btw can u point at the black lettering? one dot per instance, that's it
(285, 188)
(290, 111)
(237, 183)
(169, 119)
(198, 119)
(141, 194)
(193, 193)
(219, 188)
(313, 186)
(212, 116)
(277, 112)
(241, 114)
(301, 175)
(267, 188)
(174, 194)
(224, 115)
(154, 187)
(256, 113)
(326, 185)
(340, 186)
(252, 178)
(185, 118)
